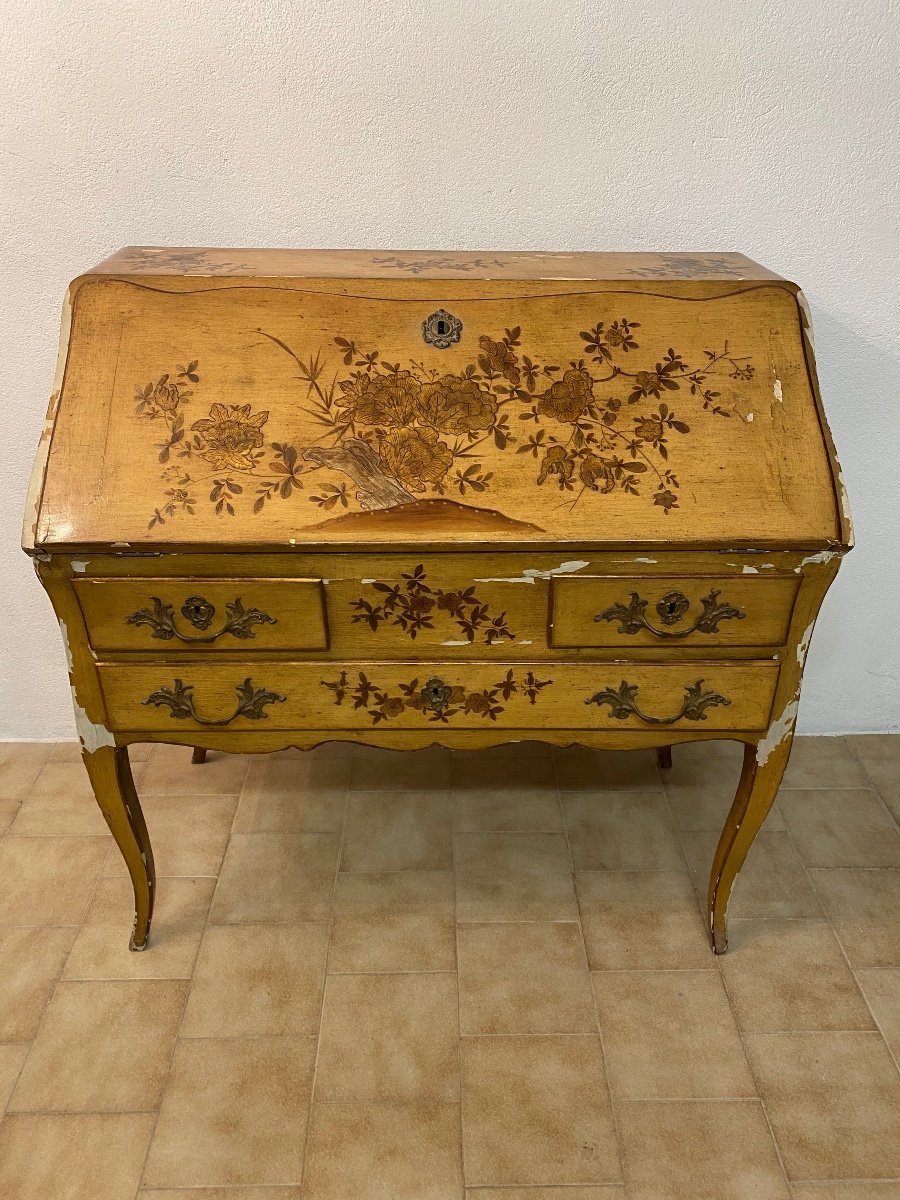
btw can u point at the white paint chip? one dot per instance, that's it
(777, 391)
(79, 566)
(529, 575)
(777, 732)
(92, 735)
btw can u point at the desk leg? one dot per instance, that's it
(664, 758)
(199, 755)
(756, 791)
(110, 775)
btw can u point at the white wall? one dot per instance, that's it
(706, 125)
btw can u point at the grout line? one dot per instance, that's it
(613, 1112)
(862, 766)
(324, 977)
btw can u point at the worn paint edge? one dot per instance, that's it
(530, 574)
(777, 732)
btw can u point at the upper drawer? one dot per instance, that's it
(204, 614)
(665, 611)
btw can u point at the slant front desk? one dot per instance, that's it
(289, 496)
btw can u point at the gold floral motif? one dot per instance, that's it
(415, 457)
(455, 405)
(231, 434)
(401, 430)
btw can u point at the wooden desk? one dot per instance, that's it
(284, 497)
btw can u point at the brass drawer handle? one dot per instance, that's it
(621, 701)
(199, 612)
(180, 700)
(671, 609)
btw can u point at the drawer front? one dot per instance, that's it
(204, 614)
(608, 611)
(259, 695)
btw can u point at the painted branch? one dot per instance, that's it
(357, 459)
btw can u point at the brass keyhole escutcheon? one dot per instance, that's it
(441, 329)
(436, 695)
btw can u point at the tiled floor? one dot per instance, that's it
(430, 977)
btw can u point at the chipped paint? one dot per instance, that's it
(823, 556)
(92, 735)
(749, 570)
(777, 732)
(749, 417)
(70, 664)
(454, 642)
(778, 392)
(530, 574)
(525, 642)
(79, 566)
(803, 644)
(366, 582)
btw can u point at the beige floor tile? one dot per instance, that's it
(621, 831)
(70, 752)
(822, 762)
(60, 802)
(879, 755)
(30, 964)
(864, 908)
(704, 807)
(389, 1038)
(378, 770)
(8, 810)
(402, 831)
(536, 1111)
(640, 920)
(502, 769)
(253, 980)
(229, 1193)
(294, 795)
(513, 877)
(101, 947)
(790, 975)
(170, 772)
(609, 1191)
(12, 1059)
(699, 1150)
(772, 882)
(507, 810)
(49, 881)
(865, 1189)
(882, 990)
(841, 828)
(188, 834)
(83, 1157)
(524, 978)
(20, 763)
(234, 1112)
(833, 1100)
(579, 769)
(273, 877)
(401, 921)
(670, 1035)
(383, 1152)
(102, 1047)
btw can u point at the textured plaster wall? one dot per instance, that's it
(768, 128)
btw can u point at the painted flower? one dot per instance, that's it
(165, 395)
(592, 470)
(231, 434)
(615, 336)
(647, 383)
(567, 398)
(556, 462)
(477, 702)
(388, 400)
(665, 499)
(393, 706)
(415, 457)
(649, 428)
(500, 358)
(456, 405)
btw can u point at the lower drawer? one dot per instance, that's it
(283, 695)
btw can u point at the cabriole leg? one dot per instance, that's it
(110, 775)
(756, 791)
(664, 757)
(199, 755)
